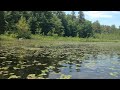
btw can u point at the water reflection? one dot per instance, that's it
(97, 67)
(51, 65)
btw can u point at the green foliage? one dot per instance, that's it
(51, 32)
(14, 77)
(96, 27)
(23, 29)
(2, 22)
(11, 18)
(72, 28)
(65, 76)
(57, 26)
(33, 25)
(51, 23)
(45, 22)
(81, 17)
(86, 30)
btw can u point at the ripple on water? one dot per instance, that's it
(103, 67)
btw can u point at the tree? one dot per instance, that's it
(2, 22)
(113, 28)
(96, 27)
(72, 28)
(86, 30)
(81, 17)
(45, 22)
(119, 28)
(57, 25)
(23, 30)
(63, 17)
(11, 18)
(33, 22)
(33, 25)
(73, 15)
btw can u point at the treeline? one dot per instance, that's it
(50, 23)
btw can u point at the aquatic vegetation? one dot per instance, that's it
(4, 68)
(65, 76)
(11, 73)
(31, 76)
(115, 74)
(51, 67)
(16, 68)
(14, 77)
(78, 65)
(90, 65)
(36, 59)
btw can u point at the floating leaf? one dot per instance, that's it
(78, 65)
(114, 74)
(3, 58)
(31, 76)
(16, 68)
(43, 74)
(40, 78)
(4, 68)
(11, 73)
(77, 68)
(65, 76)
(13, 77)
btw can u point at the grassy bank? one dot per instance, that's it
(38, 41)
(96, 38)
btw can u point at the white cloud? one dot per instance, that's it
(116, 12)
(98, 14)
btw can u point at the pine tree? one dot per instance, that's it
(81, 17)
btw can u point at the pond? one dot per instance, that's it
(95, 67)
(63, 62)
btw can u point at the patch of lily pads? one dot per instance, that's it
(16, 60)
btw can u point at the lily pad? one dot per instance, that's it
(4, 68)
(65, 76)
(11, 73)
(16, 68)
(114, 74)
(13, 77)
(43, 74)
(31, 76)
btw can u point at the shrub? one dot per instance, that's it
(23, 29)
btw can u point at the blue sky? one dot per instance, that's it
(104, 17)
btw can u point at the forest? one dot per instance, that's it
(56, 45)
(23, 24)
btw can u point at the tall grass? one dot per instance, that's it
(115, 37)
(111, 36)
(7, 37)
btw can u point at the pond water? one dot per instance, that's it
(95, 67)
(64, 63)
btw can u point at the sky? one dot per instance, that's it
(104, 17)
